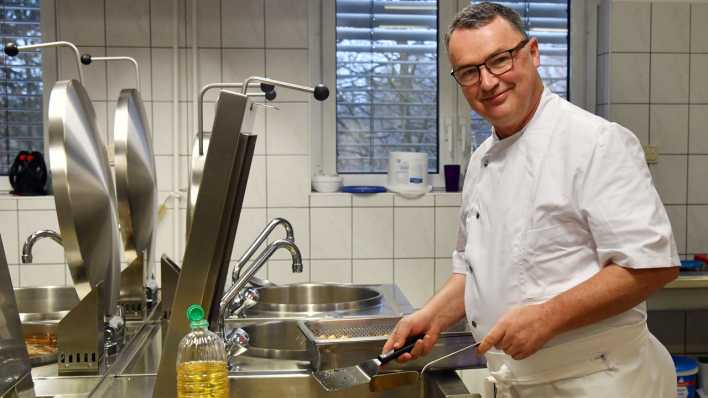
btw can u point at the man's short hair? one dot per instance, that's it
(475, 16)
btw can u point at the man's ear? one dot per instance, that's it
(535, 52)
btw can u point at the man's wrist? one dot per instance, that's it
(553, 316)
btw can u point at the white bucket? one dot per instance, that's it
(408, 173)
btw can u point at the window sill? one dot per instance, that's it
(385, 199)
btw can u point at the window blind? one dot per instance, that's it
(21, 78)
(387, 81)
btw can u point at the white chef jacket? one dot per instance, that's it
(548, 207)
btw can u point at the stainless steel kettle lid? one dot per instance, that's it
(83, 192)
(135, 173)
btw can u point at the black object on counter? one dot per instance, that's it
(28, 174)
(452, 177)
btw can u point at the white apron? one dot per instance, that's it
(626, 362)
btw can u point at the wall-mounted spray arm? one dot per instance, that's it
(320, 91)
(267, 91)
(86, 59)
(12, 50)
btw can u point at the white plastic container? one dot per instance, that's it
(408, 173)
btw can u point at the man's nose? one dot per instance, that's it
(487, 79)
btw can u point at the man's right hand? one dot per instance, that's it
(416, 323)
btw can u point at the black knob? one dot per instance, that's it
(321, 92)
(86, 59)
(270, 95)
(265, 87)
(11, 49)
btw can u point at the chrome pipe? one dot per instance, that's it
(33, 238)
(12, 49)
(87, 59)
(289, 235)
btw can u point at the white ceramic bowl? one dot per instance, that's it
(326, 183)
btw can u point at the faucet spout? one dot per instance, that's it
(289, 235)
(32, 239)
(232, 293)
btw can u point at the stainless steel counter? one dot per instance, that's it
(133, 371)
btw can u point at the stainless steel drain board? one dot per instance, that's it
(338, 343)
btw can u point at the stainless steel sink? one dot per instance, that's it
(45, 303)
(40, 310)
(276, 340)
(315, 298)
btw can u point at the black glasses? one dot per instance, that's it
(497, 64)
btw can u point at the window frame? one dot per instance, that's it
(453, 110)
(47, 13)
(446, 103)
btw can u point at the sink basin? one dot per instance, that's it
(314, 298)
(276, 340)
(41, 309)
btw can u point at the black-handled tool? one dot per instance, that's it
(393, 354)
(339, 379)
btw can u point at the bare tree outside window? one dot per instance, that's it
(387, 79)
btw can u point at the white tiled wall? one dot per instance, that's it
(657, 56)
(343, 238)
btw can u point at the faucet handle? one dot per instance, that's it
(236, 342)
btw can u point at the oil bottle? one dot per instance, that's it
(201, 360)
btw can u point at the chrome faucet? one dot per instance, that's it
(244, 299)
(233, 292)
(289, 235)
(32, 239)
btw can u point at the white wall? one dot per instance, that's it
(652, 58)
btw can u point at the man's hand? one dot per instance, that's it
(411, 325)
(520, 332)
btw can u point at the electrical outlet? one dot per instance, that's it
(651, 153)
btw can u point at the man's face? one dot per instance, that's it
(506, 100)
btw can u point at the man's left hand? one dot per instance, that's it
(520, 332)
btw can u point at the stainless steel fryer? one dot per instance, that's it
(343, 342)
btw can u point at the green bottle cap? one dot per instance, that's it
(195, 315)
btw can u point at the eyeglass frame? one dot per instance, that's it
(511, 51)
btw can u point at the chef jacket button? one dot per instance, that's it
(485, 162)
(474, 324)
(477, 215)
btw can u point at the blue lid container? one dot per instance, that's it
(363, 189)
(691, 265)
(686, 375)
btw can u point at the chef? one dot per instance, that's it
(562, 235)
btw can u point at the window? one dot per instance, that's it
(387, 82)
(384, 58)
(547, 20)
(21, 96)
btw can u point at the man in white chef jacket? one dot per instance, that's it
(562, 235)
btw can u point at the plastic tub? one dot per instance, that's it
(691, 265)
(686, 375)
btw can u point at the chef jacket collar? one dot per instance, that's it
(499, 144)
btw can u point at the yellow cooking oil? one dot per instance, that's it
(202, 379)
(201, 360)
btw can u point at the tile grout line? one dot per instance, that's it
(688, 137)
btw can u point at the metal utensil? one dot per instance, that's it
(339, 379)
(387, 381)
